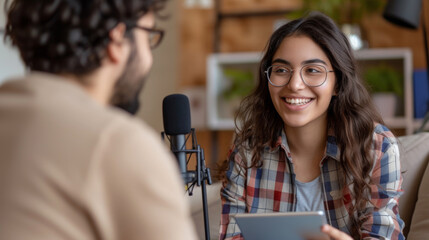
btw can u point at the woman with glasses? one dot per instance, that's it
(310, 139)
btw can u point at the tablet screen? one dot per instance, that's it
(281, 226)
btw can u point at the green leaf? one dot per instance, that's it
(242, 83)
(383, 78)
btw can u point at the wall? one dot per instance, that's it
(164, 76)
(251, 33)
(10, 63)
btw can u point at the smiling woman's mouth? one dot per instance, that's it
(297, 101)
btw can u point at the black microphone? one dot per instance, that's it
(177, 124)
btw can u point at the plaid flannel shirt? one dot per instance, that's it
(271, 188)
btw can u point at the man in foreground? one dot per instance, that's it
(72, 166)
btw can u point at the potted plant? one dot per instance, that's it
(341, 11)
(241, 85)
(385, 84)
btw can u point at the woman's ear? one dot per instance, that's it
(117, 47)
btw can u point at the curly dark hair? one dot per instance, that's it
(351, 114)
(69, 36)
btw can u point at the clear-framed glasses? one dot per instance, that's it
(313, 75)
(155, 35)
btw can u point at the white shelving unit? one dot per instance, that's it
(220, 116)
(404, 60)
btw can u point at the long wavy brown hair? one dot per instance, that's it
(351, 114)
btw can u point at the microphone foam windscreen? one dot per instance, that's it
(176, 114)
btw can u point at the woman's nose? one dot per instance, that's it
(296, 82)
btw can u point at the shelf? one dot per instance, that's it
(237, 14)
(401, 60)
(220, 113)
(418, 124)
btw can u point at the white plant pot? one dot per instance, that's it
(385, 103)
(353, 34)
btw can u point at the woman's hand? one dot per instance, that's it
(334, 233)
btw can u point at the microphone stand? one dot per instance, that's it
(200, 176)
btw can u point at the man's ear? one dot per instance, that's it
(117, 47)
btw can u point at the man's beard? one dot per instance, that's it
(129, 85)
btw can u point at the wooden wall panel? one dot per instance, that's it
(196, 43)
(246, 34)
(257, 5)
(383, 34)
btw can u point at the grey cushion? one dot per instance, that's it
(414, 159)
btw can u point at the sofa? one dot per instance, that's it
(413, 204)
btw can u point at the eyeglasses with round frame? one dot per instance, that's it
(313, 75)
(155, 35)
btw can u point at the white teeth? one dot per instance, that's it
(298, 101)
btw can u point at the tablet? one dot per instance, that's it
(281, 226)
